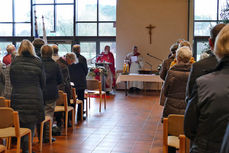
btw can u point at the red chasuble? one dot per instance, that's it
(110, 59)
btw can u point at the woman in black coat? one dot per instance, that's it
(207, 112)
(27, 79)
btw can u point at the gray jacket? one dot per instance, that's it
(2, 80)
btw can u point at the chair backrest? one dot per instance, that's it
(6, 117)
(2, 102)
(8, 103)
(16, 123)
(175, 125)
(62, 100)
(74, 96)
(93, 84)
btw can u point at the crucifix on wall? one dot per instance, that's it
(150, 27)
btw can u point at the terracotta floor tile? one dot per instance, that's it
(129, 125)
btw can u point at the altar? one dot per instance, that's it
(138, 77)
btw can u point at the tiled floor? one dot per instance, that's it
(129, 125)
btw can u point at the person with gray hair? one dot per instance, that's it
(64, 62)
(175, 85)
(10, 49)
(78, 73)
(207, 112)
(6, 71)
(65, 86)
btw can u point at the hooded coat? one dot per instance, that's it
(174, 89)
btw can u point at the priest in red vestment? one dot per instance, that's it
(107, 57)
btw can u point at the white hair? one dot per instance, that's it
(184, 54)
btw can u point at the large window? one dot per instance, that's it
(17, 22)
(207, 13)
(90, 23)
(96, 18)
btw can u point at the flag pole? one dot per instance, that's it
(44, 31)
(36, 26)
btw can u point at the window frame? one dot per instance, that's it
(74, 39)
(197, 38)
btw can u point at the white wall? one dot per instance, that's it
(170, 18)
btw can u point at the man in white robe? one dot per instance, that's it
(136, 63)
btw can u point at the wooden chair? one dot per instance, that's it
(172, 128)
(184, 144)
(75, 101)
(62, 106)
(8, 119)
(6, 103)
(94, 87)
(2, 149)
(47, 119)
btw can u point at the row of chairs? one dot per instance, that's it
(94, 88)
(173, 134)
(10, 127)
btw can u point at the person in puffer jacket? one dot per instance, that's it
(175, 83)
(28, 81)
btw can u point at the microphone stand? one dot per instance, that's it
(154, 57)
(149, 65)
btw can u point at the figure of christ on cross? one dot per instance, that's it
(150, 27)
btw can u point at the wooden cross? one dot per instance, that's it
(150, 27)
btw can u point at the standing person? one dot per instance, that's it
(38, 43)
(206, 65)
(64, 62)
(2, 79)
(135, 63)
(8, 86)
(55, 55)
(207, 114)
(166, 63)
(165, 67)
(78, 73)
(175, 83)
(65, 86)
(107, 56)
(10, 49)
(183, 43)
(53, 79)
(28, 80)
